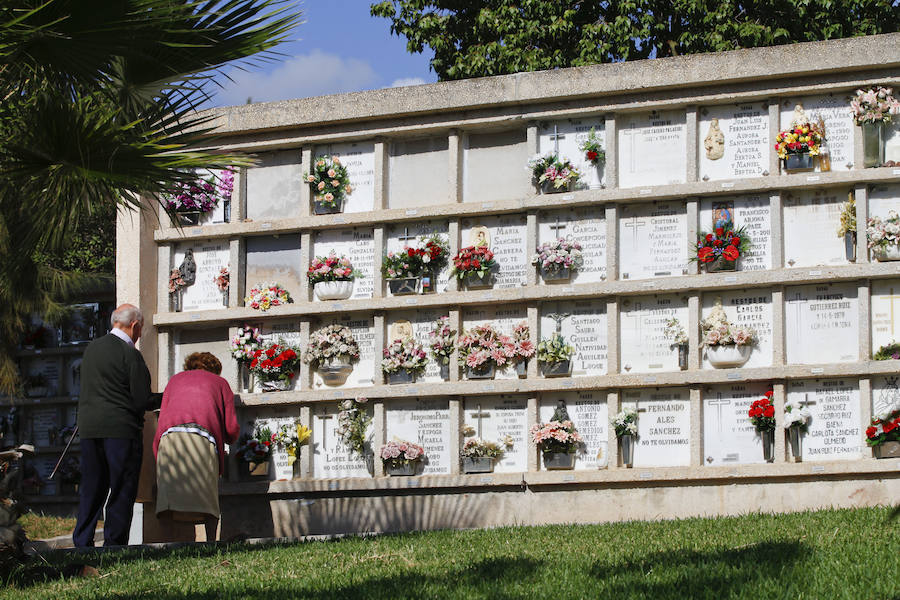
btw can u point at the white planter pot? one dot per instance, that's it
(724, 357)
(334, 290)
(336, 371)
(886, 253)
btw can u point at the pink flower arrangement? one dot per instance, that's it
(441, 340)
(223, 280)
(556, 436)
(264, 296)
(331, 268)
(404, 354)
(400, 452)
(483, 343)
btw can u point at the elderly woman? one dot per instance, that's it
(196, 420)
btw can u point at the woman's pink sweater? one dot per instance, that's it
(203, 398)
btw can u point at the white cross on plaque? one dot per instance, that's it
(406, 237)
(891, 298)
(556, 136)
(323, 419)
(480, 414)
(719, 402)
(796, 301)
(557, 227)
(634, 224)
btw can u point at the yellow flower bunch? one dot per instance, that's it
(803, 138)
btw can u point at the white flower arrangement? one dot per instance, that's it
(717, 331)
(796, 415)
(882, 233)
(674, 332)
(625, 422)
(329, 342)
(874, 105)
(404, 354)
(245, 342)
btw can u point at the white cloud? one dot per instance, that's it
(405, 81)
(312, 74)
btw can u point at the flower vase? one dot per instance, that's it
(556, 276)
(225, 297)
(246, 377)
(768, 445)
(334, 290)
(473, 281)
(626, 445)
(559, 368)
(401, 376)
(721, 264)
(794, 163)
(850, 246)
(485, 371)
(335, 371)
(887, 450)
(189, 218)
(260, 469)
(521, 368)
(479, 464)
(296, 472)
(176, 299)
(559, 461)
(445, 371)
(731, 355)
(683, 356)
(796, 440)
(873, 144)
(404, 469)
(429, 281)
(547, 187)
(403, 286)
(886, 253)
(321, 207)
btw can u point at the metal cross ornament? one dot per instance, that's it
(558, 317)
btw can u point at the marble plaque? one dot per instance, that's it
(364, 371)
(358, 245)
(822, 323)
(745, 128)
(274, 418)
(653, 240)
(752, 213)
(729, 437)
(589, 413)
(746, 308)
(419, 173)
(332, 459)
(834, 430)
(885, 312)
(885, 394)
(501, 416)
(495, 166)
(210, 257)
(422, 322)
(587, 226)
(813, 210)
(49, 367)
(276, 260)
(585, 329)
(215, 341)
(42, 421)
(273, 186)
(503, 318)
(73, 377)
(44, 466)
(509, 243)
(883, 199)
(565, 136)
(281, 332)
(644, 348)
(427, 423)
(664, 426)
(892, 141)
(408, 235)
(359, 158)
(652, 148)
(835, 110)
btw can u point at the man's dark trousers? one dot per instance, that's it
(110, 468)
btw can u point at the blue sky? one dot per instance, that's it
(339, 48)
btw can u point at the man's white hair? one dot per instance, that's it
(126, 315)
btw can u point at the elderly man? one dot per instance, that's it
(115, 393)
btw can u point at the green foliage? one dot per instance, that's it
(494, 37)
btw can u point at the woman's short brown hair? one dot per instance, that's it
(203, 360)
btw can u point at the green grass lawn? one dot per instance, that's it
(817, 555)
(42, 527)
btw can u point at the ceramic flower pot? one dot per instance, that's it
(796, 439)
(626, 446)
(556, 369)
(873, 144)
(335, 371)
(404, 469)
(404, 285)
(547, 187)
(188, 218)
(850, 246)
(320, 207)
(725, 357)
(721, 264)
(278, 385)
(260, 469)
(485, 371)
(886, 253)
(480, 464)
(334, 290)
(559, 461)
(400, 377)
(768, 444)
(474, 282)
(798, 162)
(887, 450)
(556, 276)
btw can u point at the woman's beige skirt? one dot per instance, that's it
(187, 477)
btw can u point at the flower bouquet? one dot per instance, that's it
(481, 349)
(523, 347)
(403, 269)
(719, 250)
(796, 422)
(264, 296)
(353, 425)
(552, 174)
(675, 333)
(478, 455)
(888, 352)
(223, 282)
(332, 350)
(872, 108)
(557, 259)
(762, 415)
(243, 345)
(189, 199)
(796, 145)
(474, 264)
(847, 229)
(435, 257)
(625, 424)
(275, 366)
(441, 343)
(403, 360)
(554, 356)
(400, 457)
(883, 434)
(332, 276)
(726, 345)
(558, 441)
(290, 438)
(883, 237)
(176, 288)
(593, 150)
(255, 450)
(329, 183)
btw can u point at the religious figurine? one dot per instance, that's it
(714, 142)
(480, 237)
(401, 330)
(560, 414)
(188, 268)
(799, 119)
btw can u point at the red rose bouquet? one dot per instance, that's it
(762, 413)
(724, 245)
(477, 260)
(884, 428)
(275, 363)
(404, 263)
